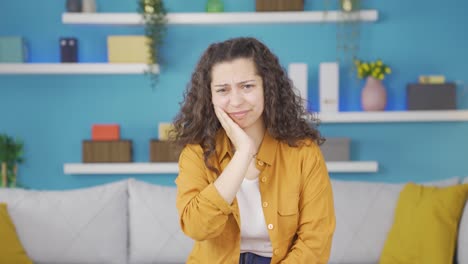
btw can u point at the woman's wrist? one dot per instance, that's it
(246, 152)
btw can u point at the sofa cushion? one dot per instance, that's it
(364, 215)
(87, 225)
(10, 246)
(462, 253)
(155, 234)
(425, 227)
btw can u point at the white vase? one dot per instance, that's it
(88, 6)
(373, 95)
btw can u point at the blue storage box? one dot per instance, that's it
(13, 50)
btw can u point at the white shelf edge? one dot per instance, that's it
(172, 167)
(352, 166)
(395, 116)
(74, 68)
(120, 168)
(223, 18)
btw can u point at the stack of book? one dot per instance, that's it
(106, 146)
(432, 92)
(162, 149)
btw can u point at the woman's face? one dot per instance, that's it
(238, 90)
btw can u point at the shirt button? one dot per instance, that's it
(270, 226)
(261, 163)
(276, 252)
(264, 179)
(265, 204)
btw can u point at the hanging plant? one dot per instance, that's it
(154, 18)
(347, 29)
(11, 154)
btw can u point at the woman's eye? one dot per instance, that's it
(248, 86)
(222, 90)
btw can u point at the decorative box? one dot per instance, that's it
(128, 49)
(431, 96)
(68, 50)
(336, 149)
(279, 5)
(105, 132)
(107, 151)
(13, 50)
(163, 151)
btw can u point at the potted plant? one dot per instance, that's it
(154, 18)
(374, 94)
(11, 154)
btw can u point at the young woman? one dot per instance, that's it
(252, 185)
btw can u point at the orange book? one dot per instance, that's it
(105, 132)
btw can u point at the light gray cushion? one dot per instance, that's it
(155, 234)
(364, 215)
(86, 225)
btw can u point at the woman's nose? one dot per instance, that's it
(236, 98)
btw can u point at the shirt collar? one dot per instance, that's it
(267, 150)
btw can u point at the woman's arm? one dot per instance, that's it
(232, 176)
(203, 206)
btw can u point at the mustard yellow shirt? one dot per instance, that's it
(296, 197)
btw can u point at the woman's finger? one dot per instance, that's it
(222, 119)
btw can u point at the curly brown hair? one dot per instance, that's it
(284, 116)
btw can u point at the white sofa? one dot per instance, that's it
(136, 222)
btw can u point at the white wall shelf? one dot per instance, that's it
(395, 116)
(172, 167)
(74, 68)
(223, 18)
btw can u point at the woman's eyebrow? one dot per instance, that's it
(226, 84)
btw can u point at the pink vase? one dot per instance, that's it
(373, 95)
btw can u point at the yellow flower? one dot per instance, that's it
(376, 69)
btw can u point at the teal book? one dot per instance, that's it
(12, 50)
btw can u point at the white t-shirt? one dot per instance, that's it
(254, 233)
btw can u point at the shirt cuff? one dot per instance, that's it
(211, 194)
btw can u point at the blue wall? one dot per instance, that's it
(54, 113)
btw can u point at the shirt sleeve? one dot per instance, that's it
(203, 213)
(317, 215)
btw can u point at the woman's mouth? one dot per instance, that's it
(239, 114)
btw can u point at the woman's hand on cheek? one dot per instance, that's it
(241, 141)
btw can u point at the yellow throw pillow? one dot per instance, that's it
(10, 246)
(425, 226)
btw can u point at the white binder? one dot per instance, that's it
(329, 81)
